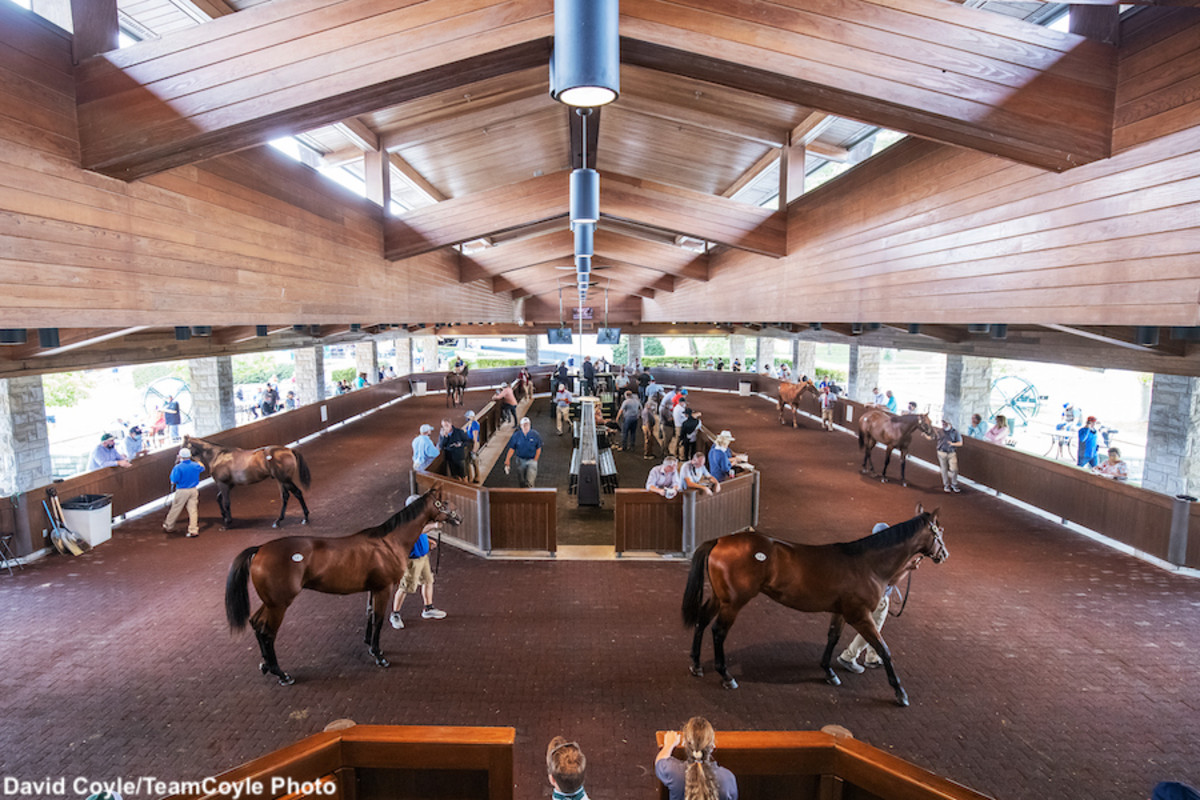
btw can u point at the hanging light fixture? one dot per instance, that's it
(48, 337)
(13, 336)
(585, 240)
(585, 67)
(585, 187)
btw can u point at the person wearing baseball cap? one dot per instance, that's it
(1088, 454)
(185, 477)
(526, 444)
(106, 454)
(471, 428)
(423, 448)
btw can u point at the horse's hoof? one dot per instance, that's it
(904, 484)
(286, 680)
(833, 680)
(883, 480)
(697, 672)
(380, 661)
(275, 524)
(729, 683)
(263, 668)
(304, 521)
(902, 698)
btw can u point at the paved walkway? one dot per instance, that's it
(1040, 664)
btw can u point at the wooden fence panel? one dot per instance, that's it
(524, 519)
(729, 511)
(470, 501)
(648, 522)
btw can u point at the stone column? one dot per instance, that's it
(309, 375)
(804, 359)
(737, 350)
(864, 372)
(635, 348)
(425, 347)
(531, 350)
(1173, 436)
(764, 352)
(403, 361)
(24, 439)
(968, 389)
(213, 407)
(366, 359)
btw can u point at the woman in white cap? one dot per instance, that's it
(424, 450)
(721, 460)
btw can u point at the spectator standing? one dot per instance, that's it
(562, 408)
(710, 364)
(456, 446)
(361, 383)
(695, 475)
(471, 428)
(650, 425)
(652, 388)
(589, 376)
(697, 776)
(270, 400)
(630, 415)
(1088, 454)
(566, 767)
(644, 380)
(1113, 467)
(737, 365)
(948, 442)
(106, 454)
(561, 375)
(998, 433)
(134, 445)
(417, 574)
(290, 401)
(878, 397)
(664, 478)
(172, 417)
(828, 402)
(508, 403)
(891, 401)
(526, 444)
(722, 461)
(679, 416)
(689, 432)
(424, 450)
(976, 429)
(185, 478)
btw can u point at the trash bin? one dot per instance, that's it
(419, 388)
(89, 515)
(744, 388)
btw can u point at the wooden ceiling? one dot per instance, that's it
(455, 95)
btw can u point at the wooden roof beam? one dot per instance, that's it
(246, 78)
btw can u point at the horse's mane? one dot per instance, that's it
(407, 514)
(900, 532)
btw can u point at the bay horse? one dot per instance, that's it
(879, 426)
(790, 394)
(372, 560)
(845, 579)
(232, 466)
(456, 384)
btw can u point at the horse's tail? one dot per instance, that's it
(693, 606)
(466, 370)
(237, 593)
(302, 467)
(862, 441)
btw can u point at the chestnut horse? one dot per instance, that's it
(845, 579)
(790, 394)
(877, 425)
(232, 466)
(372, 560)
(456, 384)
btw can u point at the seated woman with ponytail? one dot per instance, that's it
(697, 777)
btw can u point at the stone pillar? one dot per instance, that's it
(764, 352)
(24, 439)
(425, 352)
(968, 389)
(366, 359)
(403, 360)
(635, 348)
(531, 350)
(864, 372)
(213, 408)
(309, 375)
(804, 359)
(1173, 436)
(737, 350)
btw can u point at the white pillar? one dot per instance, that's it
(366, 359)
(804, 359)
(211, 382)
(309, 375)
(968, 389)
(864, 372)
(532, 353)
(737, 349)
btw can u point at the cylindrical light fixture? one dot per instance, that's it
(585, 196)
(816, 326)
(201, 330)
(583, 265)
(585, 67)
(12, 336)
(977, 328)
(355, 327)
(874, 326)
(856, 328)
(585, 239)
(914, 327)
(48, 337)
(260, 330)
(1146, 335)
(999, 331)
(182, 333)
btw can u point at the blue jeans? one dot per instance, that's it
(629, 427)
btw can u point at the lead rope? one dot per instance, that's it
(906, 593)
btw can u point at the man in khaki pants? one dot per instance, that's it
(186, 478)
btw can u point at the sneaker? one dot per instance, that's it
(852, 666)
(168, 530)
(955, 489)
(946, 489)
(873, 664)
(433, 613)
(192, 535)
(397, 623)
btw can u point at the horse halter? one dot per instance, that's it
(940, 553)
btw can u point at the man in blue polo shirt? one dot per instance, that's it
(186, 479)
(527, 446)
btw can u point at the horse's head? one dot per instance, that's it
(439, 508)
(933, 546)
(925, 425)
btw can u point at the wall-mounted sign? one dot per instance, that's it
(582, 313)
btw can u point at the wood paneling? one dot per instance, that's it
(647, 521)
(524, 519)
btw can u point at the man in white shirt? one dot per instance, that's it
(664, 479)
(695, 475)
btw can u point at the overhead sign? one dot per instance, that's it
(582, 313)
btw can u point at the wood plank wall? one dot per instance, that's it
(926, 232)
(248, 238)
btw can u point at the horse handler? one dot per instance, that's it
(185, 477)
(417, 574)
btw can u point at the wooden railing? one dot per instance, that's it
(733, 509)
(471, 503)
(524, 519)
(373, 762)
(813, 765)
(647, 521)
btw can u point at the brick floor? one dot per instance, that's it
(1039, 663)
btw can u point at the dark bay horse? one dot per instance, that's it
(844, 579)
(877, 425)
(456, 384)
(790, 394)
(372, 560)
(232, 466)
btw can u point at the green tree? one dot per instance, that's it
(621, 351)
(65, 389)
(653, 347)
